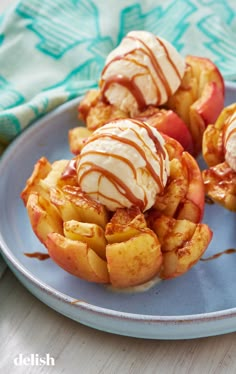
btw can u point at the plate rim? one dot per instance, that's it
(19, 270)
(60, 296)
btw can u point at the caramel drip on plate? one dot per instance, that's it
(39, 255)
(227, 252)
(129, 82)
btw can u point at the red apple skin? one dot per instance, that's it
(210, 99)
(195, 195)
(206, 67)
(210, 104)
(200, 97)
(168, 123)
(174, 127)
(76, 258)
(192, 195)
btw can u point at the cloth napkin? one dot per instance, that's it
(52, 51)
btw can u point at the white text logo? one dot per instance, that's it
(34, 359)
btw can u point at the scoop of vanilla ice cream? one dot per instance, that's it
(143, 70)
(230, 142)
(124, 164)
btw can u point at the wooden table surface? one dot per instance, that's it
(28, 327)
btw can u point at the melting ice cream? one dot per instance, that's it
(230, 142)
(143, 70)
(124, 163)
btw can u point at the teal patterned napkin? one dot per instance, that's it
(53, 50)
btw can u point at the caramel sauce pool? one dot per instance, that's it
(39, 255)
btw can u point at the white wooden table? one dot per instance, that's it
(28, 327)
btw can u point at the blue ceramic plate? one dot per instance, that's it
(199, 303)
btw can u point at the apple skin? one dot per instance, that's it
(182, 243)
(205, 111)
(196, 104)
(209, 105)
(219, 178)
(134, 261)
(220, 185)
(185, 191)
(193, 207)
(43, 216)
(213, 144)
(41, 169)
(76, 258)
(200, 97)
(205, 69)
(169, 123)
(180, 260)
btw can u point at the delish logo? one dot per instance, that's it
(34, 359)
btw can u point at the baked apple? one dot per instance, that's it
(219, 152)
(200, 97)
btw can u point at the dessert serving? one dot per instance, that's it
(128, 205)
(145, 77)
(143, 70)
(219, 152)
(128, 208)
(124, 164)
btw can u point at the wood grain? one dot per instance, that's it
(28, 326)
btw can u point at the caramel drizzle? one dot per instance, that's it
(39, 255)
(133, 144)
(230, 134)
(129, 83)
(118, 157)
(216, 255)
(159, 148)
(155, 63)
(78, 197)
(115, 180)
(169, 58)
(230, 120)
